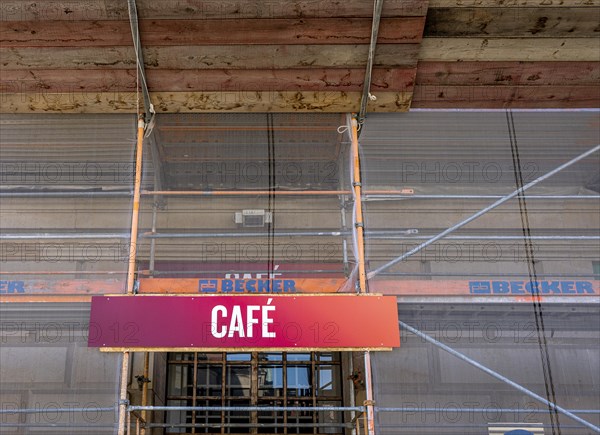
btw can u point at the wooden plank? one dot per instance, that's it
(68, 58)
(383, 79)
(513, 22)
(215, 285)
(508, 73)
(10, 286)
(202, 102)
(513, 289)
(7, 299)
(513, 3)
(74, 10)
(210, 57)
(234, 9)
(279, 56)
(506, 49)
(501, 97)
(209, 32)
(317, 79)
(36, 81)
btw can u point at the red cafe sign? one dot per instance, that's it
(345, 322)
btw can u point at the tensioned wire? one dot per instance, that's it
(531, 268)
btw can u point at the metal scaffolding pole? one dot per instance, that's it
(50, 409)
(369, 195)
(391, 236)
(373, 234)
(366, 94)
(491, 409)
(192, 193)
(150, 235)
(82, 194)
(250, 425)
(482, 212)
(54, 236)
(499, 377)
(247, 408)
(137, 46)
(375, 197)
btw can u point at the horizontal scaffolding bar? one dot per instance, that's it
(82, 194)
(390, 235)
(404, 192)
(375, 197)
(472, 410)
(474, 425)
(247, 408)
(250, 425)
(367, 196)
(328, 233)
(245, 192)
(54, 236)
(373, 234)
(52, 409)
(288, 408)
(174, 425)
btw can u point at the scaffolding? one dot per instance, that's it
(362, 267)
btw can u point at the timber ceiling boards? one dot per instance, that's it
(219, 56)
(299, 55)
(510, 53)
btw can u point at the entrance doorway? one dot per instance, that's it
(311, 379)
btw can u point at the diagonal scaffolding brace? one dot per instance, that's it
(499, 377)
(482, 212)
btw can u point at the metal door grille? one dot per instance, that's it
(308, 379)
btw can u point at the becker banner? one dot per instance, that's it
(248, 322)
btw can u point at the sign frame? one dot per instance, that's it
(387, 328)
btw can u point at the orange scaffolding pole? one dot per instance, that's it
(356, 183)
(136, 207)
(123, 414)
(362, 276)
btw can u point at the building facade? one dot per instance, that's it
(266, 204)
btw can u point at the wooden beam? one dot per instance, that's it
(513, 22)
(513, 3)
(508, 73)
(317, 79)
(209, 32)
(46, 299)
(67, 58)
(501, 97)
(210, 57)
(189, 286)
(507, 49)
(202, 102)
(65, 80)
(54, 286)
(74, 10)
